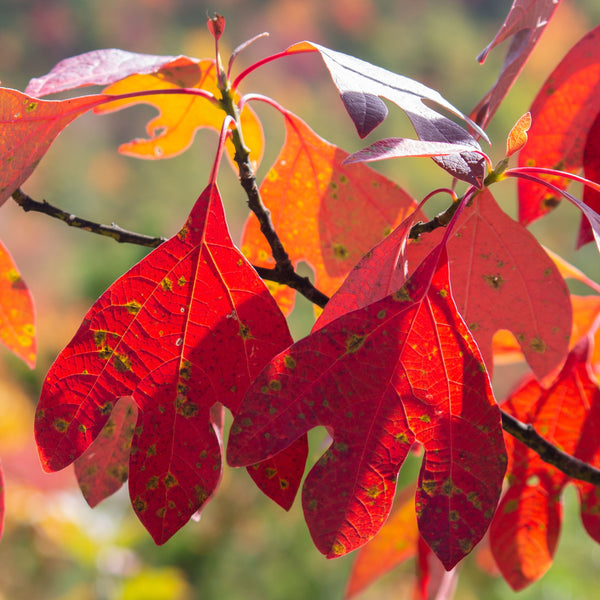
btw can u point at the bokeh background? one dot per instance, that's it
(243, 547)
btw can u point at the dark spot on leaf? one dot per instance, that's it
(494, 281)
(166, 284)
(170, 481)
(284, 484)
(354, 343)
(121, 362)
(537, 345)
(133, 307)
(550, 202)
(139, 505)
(340, 251)
(60, 425)
(152, 483)
(289, 362)
(106, 408)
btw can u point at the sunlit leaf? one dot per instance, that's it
(400, 370)
(17, 313)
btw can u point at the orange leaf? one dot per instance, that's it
(395, 543)
(326, 214)
(517, 137)
(180, 116)
(27, 128)
(17, 314)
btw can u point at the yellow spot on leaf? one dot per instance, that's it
(340, 251)
(166, 284)
(402, 295)
(121, 362)
(133, 307)
(289, 362)
(537, 345)
(60, 425)
(139, 505)
(170, 481)
(13, 275)
(275, 385)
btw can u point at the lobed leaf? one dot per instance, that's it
(17, 312)
(27, 128)
(563, 113)
(362, 85)
(326, 213)
(525, 23)
(180, 116)
(400, 370)
(187, 327)
(525, 530)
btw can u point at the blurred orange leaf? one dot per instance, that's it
(180, 115)
(17, 313)
(395, 543)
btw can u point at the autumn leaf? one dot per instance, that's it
(400, 370)
(563, 114)
(517, 138)
(525, 23)
(17, 313)
(501, 279)
(28, 127)
(188, 326)
(525, 529)
(395, 543)
(591, 169)
(180, 116)
(362, 85)
(103, 468)
(319, 207)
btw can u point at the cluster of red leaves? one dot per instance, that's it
(400, 356)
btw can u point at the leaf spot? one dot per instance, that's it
(354, 343)
(170, 481)
(275, 385)
(166, 284)
(60, 425)
(402, 295)
(340, 251)
(289, 362)
(139, 505)
(494, 281)
(537, 345)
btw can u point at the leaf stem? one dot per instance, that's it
(569, 465)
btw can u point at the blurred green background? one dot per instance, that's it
(244, 547)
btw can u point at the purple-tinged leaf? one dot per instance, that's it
(362, 85)
(402, 147)
(99, 67)
(525, 23)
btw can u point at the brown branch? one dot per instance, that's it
(569, 465)
(284, 271)
(123, 236)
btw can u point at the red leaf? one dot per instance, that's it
(103, 468)
(27, 128)
(189, 326)
(400, 370)
(525, 23)
(563, 113)
(525, 530)
(326, 213)
(495, 262)
(17, 313)
(591, 168)
(99, 67)
(362, 85)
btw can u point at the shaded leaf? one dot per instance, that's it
(591, 169)
(98, 67)
(180, 115)
(362, 85)
(525, 23)
(525, 530)
(103, 468)
(402, 147)
(326, 213)
(188, 326)
(400, 370)
(17, 312)
(501, 279)
(563, 113)
(27, 128)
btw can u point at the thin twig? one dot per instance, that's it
(569, 465)
(123, 236)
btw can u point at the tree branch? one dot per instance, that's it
(569, 465)
(284, 271)
(123, 236)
